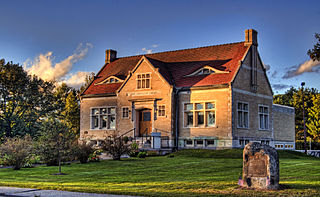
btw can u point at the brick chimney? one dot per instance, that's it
(251, 37)
(111, 55)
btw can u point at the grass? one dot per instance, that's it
(188, 173)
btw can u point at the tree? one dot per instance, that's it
(24, 100)
(314, 118)
(88, 80)
(72, 113)
(315, 52)
(55, 142)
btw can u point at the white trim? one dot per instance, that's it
(122, 112)
(216, 71)
(99, 107)
(252, 94)
(243, 111)
(159, 110)
(145, 73)
(204, 110)
(260, 129)
(114, 77)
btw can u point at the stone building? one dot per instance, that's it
(207, 97)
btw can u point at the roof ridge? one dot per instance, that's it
(180, 50)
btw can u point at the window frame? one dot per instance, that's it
(243, 112)
(163, 114)
(122, 112)
(140, 79)
(100, 119)
(264, 115)
(196, 111)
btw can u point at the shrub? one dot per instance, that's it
(82, 151)
(94, 157)
(134, 149)
(116, 146)
(15, 151)
(142, 154)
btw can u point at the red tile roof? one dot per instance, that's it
(175, 65)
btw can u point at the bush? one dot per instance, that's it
(134, 149)
(94, 157)
(82, 151)
(142, 154)
(116, 146)
(300, 145)
(16, 151)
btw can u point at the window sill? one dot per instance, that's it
(203, 127)
(264, 130)
(246, 128)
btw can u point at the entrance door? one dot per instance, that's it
(145, 124)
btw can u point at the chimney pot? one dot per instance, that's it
(251, 37)
(111, 55)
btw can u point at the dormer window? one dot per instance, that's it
(111, 79)
(206, 70)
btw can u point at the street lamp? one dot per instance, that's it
(304, 120)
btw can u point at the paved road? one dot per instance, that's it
(23, 192)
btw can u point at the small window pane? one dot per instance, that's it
(139, 84)
(188, 107)
(199, 106)
(190, 119)
(104, 120)
(147, 75)
(210, 106)
(200, 118)
(210, 118)
(210, 142)
(139, 76)
(147, 83)
(111, 80)
(146, 116)
(188, 142)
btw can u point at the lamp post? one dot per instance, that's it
(304, 120)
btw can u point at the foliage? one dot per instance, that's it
(314, 118)
(83, 151)
(94, 157)
(88, 80)
(116, 146)
(142, 154)
(15, 151)
(177, 176)
(55, 142)
(134, 149)
(24, 101)
(293, 97)
(315, 52)
(314, 145)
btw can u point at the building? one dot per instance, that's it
(207, 97)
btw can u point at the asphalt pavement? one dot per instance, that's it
(23, 192)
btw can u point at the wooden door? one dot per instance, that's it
(145, 125)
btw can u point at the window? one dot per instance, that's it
(199, 114)
(103, 118)
(199, 142)
(143, 81)
(243, 115)
(263, 117)
(241, 142)
(125, 112)
(111, 79)
(210, 142)
(162, 110)
(188, 142)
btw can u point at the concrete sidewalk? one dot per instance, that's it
(22, 192)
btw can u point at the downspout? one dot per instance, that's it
(177, 118)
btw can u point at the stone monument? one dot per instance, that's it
(260, 167)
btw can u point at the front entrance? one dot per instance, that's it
(145, 125)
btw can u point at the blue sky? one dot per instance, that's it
(56, 30)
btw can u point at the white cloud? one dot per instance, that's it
(147, 51)
(154, 45)
(307, 66)
(44, 67)
(76, 80)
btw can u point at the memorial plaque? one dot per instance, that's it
(257, 166)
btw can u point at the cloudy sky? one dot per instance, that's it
(65, 40)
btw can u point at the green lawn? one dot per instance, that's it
(188, 173)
